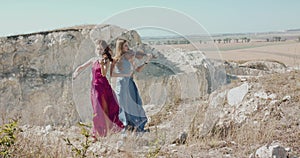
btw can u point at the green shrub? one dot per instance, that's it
(82, 150)
(8, 138)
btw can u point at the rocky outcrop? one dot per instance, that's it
(273, 149)
(235, 104)
(35, 77)
(255, 68)
(36, 70)
(180, 76)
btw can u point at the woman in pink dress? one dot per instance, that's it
(105, 105)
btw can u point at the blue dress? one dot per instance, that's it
(132, 112)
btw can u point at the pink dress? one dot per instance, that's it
(105, 105)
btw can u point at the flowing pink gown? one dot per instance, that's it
(105, 105)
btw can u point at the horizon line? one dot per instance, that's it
(79, 27)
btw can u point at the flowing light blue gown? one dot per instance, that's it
(131, 110)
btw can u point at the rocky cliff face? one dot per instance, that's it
(36, 70)
(35, 78)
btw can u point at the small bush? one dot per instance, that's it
(82, 150)
(8, 138)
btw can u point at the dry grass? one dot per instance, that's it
(281, 125)
(35, 147)
(164, 114)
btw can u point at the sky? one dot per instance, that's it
(215, 16)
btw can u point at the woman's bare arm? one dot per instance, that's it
(80, 68)
(112, 66)
(103, 67)
(140, 68)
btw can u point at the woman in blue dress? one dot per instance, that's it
(132, 113)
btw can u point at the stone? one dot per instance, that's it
(286, 98)
(236, 95)
(48, 128)
(181, 139)
(271, 150)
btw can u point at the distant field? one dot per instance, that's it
(286, 52)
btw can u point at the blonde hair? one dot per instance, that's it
(119, 47)
(102, 43)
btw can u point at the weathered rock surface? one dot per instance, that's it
(270, 150)
(255, 68)
(36, 70)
